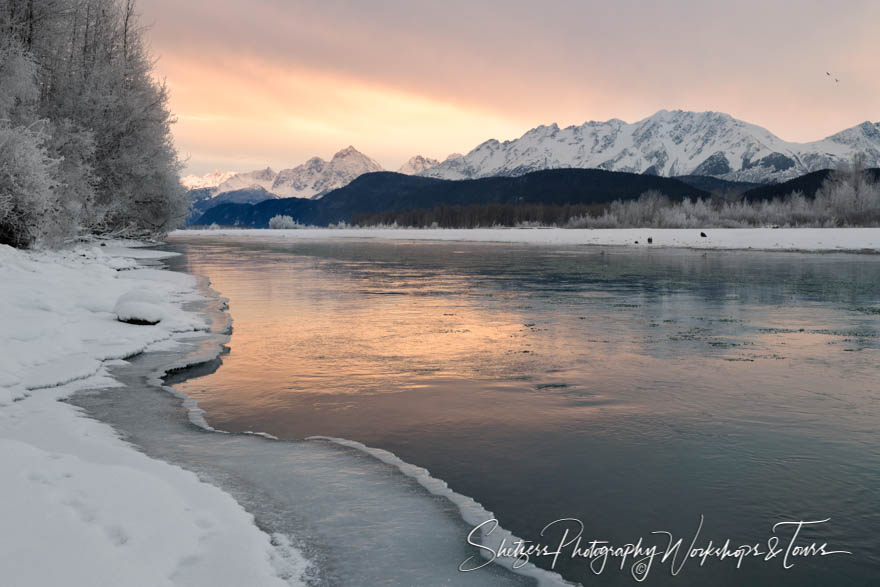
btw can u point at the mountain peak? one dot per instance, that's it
(866, 135)
(417, 164)
(316, 177)
(311, 179)
(348, 152)
(209, 180)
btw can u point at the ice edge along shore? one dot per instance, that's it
(81, 506)
(74, 480)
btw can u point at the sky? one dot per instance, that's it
(274, 82)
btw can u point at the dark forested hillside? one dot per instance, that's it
(585, 198)
(391, 192)
(720, 187)
(807, 185)
(203, 199)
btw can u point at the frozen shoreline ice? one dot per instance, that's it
(80, 505)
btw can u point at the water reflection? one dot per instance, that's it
(634, 390)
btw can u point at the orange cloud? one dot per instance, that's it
(245, 113)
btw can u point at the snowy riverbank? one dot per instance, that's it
(79, 505)
(782, 239)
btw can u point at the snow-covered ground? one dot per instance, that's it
(797, 239)
(79, 505)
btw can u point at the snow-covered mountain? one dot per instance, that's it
(667, 144)
(210, 180)
(263, 178)
(417, 165)
(312, 179)
(316, 177)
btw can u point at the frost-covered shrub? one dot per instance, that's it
(73, 148)
(283, 222)
(29, 209)
(18, 87)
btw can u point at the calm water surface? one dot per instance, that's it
(633, 390)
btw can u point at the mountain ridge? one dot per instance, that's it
(311, 179)
(668, 143)
(417, 164)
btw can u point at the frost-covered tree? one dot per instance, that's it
(28, 199)
(28, 202)
(850, 196)
(89, 124)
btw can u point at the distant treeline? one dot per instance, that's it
(479, 215)
(845, 197)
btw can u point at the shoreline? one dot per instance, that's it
(137, 507)
(74, 480)
(800, 240)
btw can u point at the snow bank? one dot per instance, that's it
(58, 314)
(79, 505)
(146, 307)
(783, 239)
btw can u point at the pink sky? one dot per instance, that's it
(273, 82)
